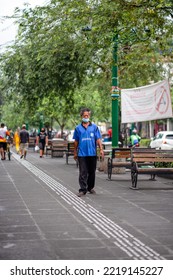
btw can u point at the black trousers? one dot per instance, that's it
(87, 169)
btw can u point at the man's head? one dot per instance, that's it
(23, 126)
(2, 125)
(43, 129)
(85, 115)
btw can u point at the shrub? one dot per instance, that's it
(145, 142)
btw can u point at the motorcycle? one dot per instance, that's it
(137, 145)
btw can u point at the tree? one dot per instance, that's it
(67, 43)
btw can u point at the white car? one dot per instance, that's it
(163, 140)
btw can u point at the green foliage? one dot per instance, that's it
(164, 164)
(145, 142)
(12, 116)
(62, 57)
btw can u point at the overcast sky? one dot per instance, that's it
(7, 28)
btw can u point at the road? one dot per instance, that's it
(41, 217)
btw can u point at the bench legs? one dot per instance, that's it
(46, 151)
(153, 177)
(134, 177)
(109, 168)
(66, 159)
(77, 163)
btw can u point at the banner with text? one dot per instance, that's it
(146, 103)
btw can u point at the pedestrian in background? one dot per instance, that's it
(87, 136)
(42, 141)
(134, 139)
(17, 139)
(110, 133)
(121, 139)
(3, 140)
(24, 141)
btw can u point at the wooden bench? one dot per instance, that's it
(32, 141)
(49, 147)
(58, 147)
(121, 157)
(70, 151)
(106, 148)
(107, 145)
(146, 161)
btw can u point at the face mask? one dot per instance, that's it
(85, 120)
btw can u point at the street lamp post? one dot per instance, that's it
(27, 125)
(41, 122)
(115, 94)
(115, 89)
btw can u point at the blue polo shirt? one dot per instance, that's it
(86, 138)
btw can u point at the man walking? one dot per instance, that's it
(87, 136)
(42, 140)
(3, 140)
(24, 141)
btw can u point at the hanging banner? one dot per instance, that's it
(146, 103)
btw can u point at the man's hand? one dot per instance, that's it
(75, 155)
(102, 153)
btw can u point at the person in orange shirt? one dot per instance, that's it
(3, 140)
(16, 139)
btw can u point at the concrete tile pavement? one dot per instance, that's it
(42, 218)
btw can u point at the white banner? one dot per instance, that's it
(146, 103)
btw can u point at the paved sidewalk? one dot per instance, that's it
(42, 218)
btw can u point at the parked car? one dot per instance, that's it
(163, 140)
(106, 139)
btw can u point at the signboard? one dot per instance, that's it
(146, 103)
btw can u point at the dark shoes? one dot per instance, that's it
(92, 191)
(23, 156)
(81, 194)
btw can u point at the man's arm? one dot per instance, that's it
(75, 149)
(46, 140)
(37, 140)
(99, 143)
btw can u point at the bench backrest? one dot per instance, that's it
(70, 147)
(151, 155)
(59, 144)
(32, 141)
(121, 153)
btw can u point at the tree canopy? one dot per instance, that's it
(62, 55)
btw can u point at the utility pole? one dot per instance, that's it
(115, 94)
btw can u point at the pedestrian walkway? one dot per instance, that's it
(41, 216)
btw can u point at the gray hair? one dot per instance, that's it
(84, 110)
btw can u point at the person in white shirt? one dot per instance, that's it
(3, 141)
